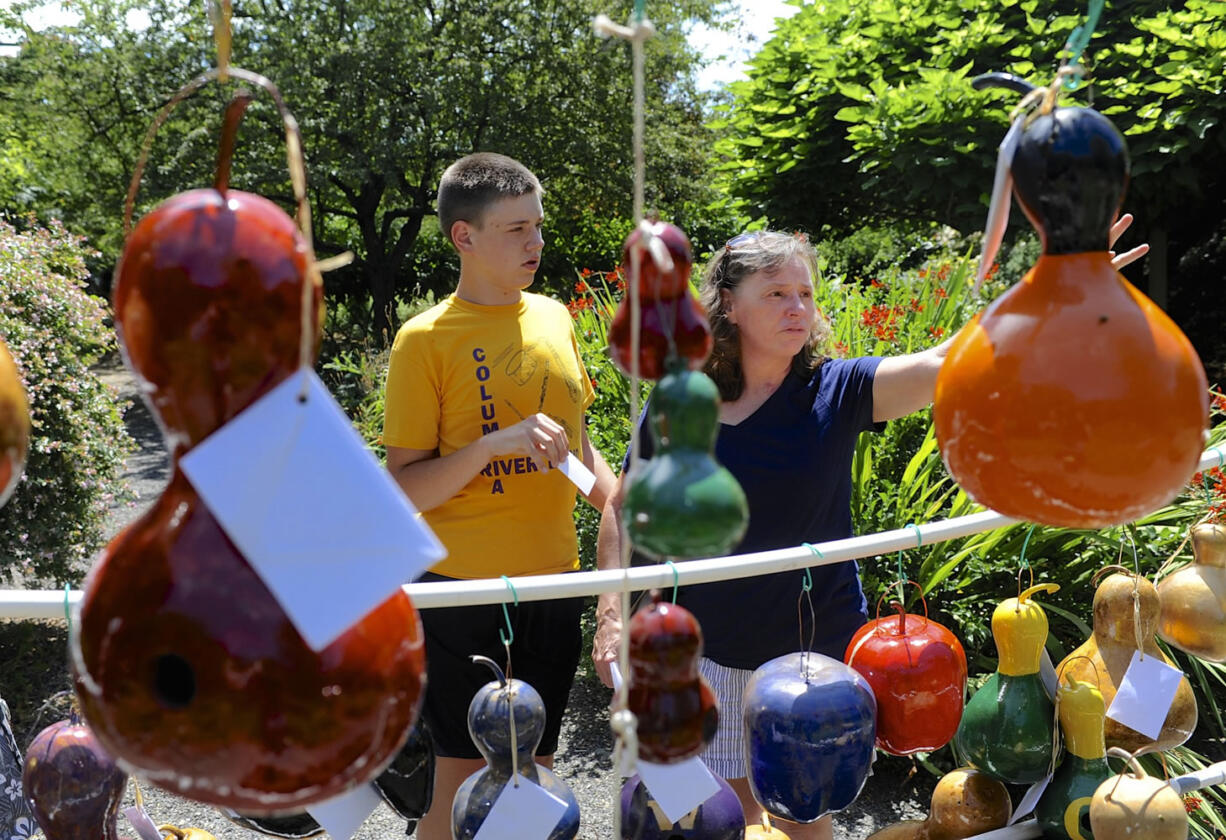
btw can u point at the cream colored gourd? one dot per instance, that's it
(1104, 658)
(1194, 598)
(965, 802)
(1134, 805)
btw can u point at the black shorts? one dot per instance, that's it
(544, 654)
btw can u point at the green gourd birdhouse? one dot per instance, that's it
(1006, 730)
(683, 503)
(1063, 811)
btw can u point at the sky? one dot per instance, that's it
(727, 51)
(730, 50)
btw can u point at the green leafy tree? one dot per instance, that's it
(862, 110)
(387, 95)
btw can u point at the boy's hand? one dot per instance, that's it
(607, 643)
(539, 437)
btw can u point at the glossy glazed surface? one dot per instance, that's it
(14, 425)
(674, 705)
(683, 502)
(917, 670)
(1193, 616)
(719, 818)
(186, 666)
(965, 803)
(190, 672)
(1103, 659)
(1070, 171)
(809, 734)
(73, 786)
(1006, 729)
(1047, 395)
(489, 718)
(676, 326)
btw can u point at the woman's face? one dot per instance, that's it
(773, 312)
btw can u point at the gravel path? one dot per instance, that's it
(584, 753)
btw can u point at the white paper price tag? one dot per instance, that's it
(144, 826)
(1030, 799)
(579, 475)
(523, 812)
(343, 815)
(678, 788)
(323, 525)
(1144, 697)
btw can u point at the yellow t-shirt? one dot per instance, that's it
(461, 370)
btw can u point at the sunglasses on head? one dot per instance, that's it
(742, 239)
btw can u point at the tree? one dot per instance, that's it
(387, 93)
(862, 110)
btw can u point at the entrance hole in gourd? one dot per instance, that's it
(174, 681)
(1084, 823)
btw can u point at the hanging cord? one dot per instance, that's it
(806, 588)
(676, 577)
(1136, 590)
(622, 721)
(1023, 564)
(1077, 42)
(919, 543)
(508, 637)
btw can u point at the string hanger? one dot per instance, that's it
(1023, 562)
(1076, 44)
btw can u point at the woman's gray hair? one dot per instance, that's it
(744, 255)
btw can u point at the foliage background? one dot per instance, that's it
(55, 519)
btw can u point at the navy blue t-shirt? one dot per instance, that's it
(793, 459)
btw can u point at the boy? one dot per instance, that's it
(485, 396)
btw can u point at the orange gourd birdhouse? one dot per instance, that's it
(1072, 400)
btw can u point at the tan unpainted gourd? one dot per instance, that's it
(1194, 598)
(964, 803)
(1137, 807)
(763, 830)
(1104, 658)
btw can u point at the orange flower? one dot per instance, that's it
(936, 332)
(943, 271)
(992, 271)
(941, 293)
(916, 306)
(841, 350)
(877, 284)
(585, 273)
(581, 288)
(1218, 403)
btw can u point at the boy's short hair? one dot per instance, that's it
(474, 182)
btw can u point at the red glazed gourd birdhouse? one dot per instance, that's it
(673, 323)
(917, 670)
(674, 705)
(1046, 398)
(187, 669)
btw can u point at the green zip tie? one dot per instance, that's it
(676, 578)
(1080, 39)
(509, 636)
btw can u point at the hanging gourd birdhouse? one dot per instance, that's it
(965, 803)
(1135, 806)
(1120, 602)
(1006, 729)
(73, 787)
(672, 323)
(674, 706)
(187, 668)
(718, 818)
(917, 670)
(1193, 615)
(14, 425)
(506, 720)
(1046, 398)
(1063, 810)
(810, 725)
(763, 830)
(683, 502)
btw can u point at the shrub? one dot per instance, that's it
(54, 521)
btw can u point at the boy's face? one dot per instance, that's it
(505, 248)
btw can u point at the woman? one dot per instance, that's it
(789, 420)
